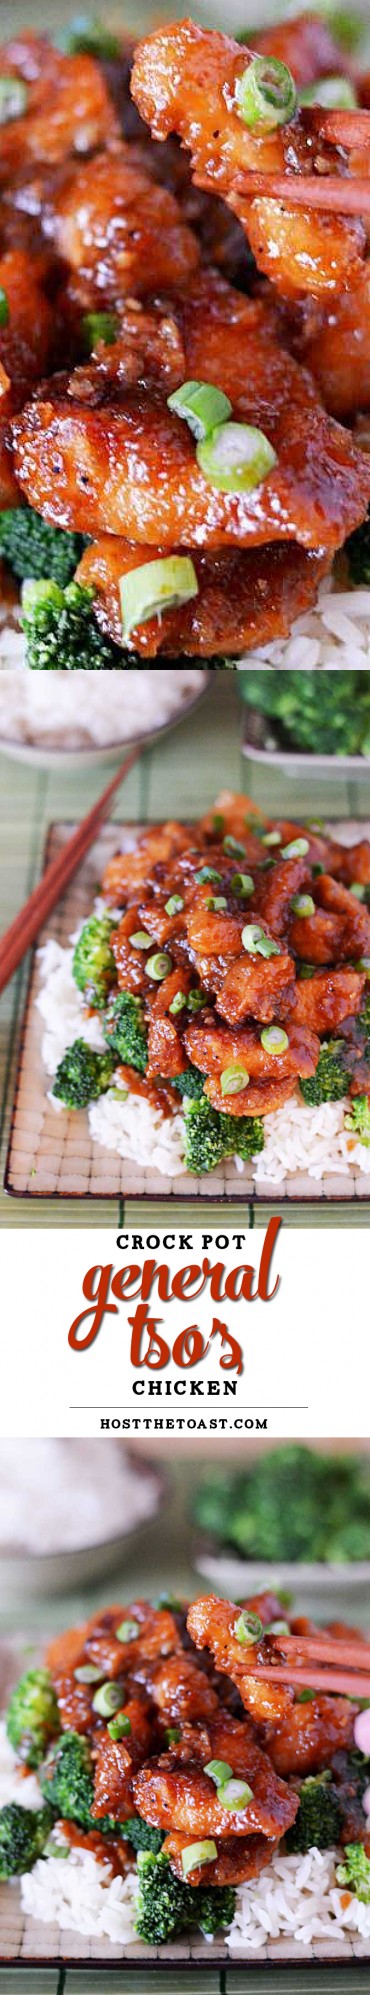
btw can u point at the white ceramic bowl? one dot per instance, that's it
(38, 755)
(327, 1591)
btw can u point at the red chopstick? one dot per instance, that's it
(325, 191)
(23, 931)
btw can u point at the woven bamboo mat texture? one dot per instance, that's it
(177, 776)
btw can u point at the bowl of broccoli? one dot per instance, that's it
(292, 721)
(294, 1520)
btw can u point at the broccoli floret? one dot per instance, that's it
(166, 1906)
(190, 1083)
(82, 1075)
(86, 35)
(355, 1873)
(23, 1834)
(124, 1029)
(358, 1121)
(358, 552)
(317, 1823)
(61, 631)
(331, 1080)
(93, 964)
(293, 1504)
(142, 1836)
(32, 1716)
(210, 1136)
(34, 549)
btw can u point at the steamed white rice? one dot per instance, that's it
(334, 633)
(52, 709)
(297, 1138)
(296, 1896)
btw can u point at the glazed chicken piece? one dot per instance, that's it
(305, 1741)
(156, 1635)
(243, 599)
(238, 1859)
(336, 347)
(61, 105)
(129, 870)
(323, 1001)
(26, 341)
(117, 1761)
(258, 988)
(173, 1795)
(215, 1048)
(120, 231)
(185, 80)
(182, 1693)
(212, 1625)
(104, 459)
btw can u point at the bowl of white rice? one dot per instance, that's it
(73, 720)
(70, 1512)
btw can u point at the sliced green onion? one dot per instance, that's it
(236, 457)
(336, 93)
(196, 1854)
(88, 1673)
(271, 838)
(274, 1040)
(242, 884)
(234, 1079)
(13, 98)
(97, 326)
(277, 1628)
(296, 850)
(155, 587)
(207, 873)
(266, 94)
(119, 1728)
(364, 964)
(302, 904)
(306, 1696)
(201, 406)
(234, 847)
(172, 1736)
(248, 1628)
(174, 905)
(107, 1699)
(196, 1000)
(218, 1770)
(178, 1003)
(158, 966)
(127, 1631)
(305, 970)
(218, 823)
(235, 1794)
(4, 308)
(256, 942)
(56, 1849)
(86, 35)
(217, 902)
(358, 890)
(141, 940)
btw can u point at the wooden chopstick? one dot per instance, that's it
(23, 931)
(326, 1648)
(326, 191)
(346, 1684)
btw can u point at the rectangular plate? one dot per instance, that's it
(53, 1155)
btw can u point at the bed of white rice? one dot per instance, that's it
(334, 633)
(296, 1896)
(297, 1138)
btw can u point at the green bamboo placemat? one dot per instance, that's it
(178, 776)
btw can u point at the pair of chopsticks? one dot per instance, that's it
(332, 193)
(319, 1662)
(23, 931)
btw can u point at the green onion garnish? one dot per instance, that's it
(107, 1699)
(336, 93)
(156, 587)
(218, 1770)
(201, 406)
(207, 873)
(364, 964)
(296, 850)
(235, 1794)
(234, 847)
(158, 966)
(174, 905)
(56, 1849)
(4, 308)
(234, 1079)
(242, 884)
(271, 838)
(119, 1728)
(127, 1631)
(178, 1002)
(248, 1628)
(196, 1000)
(13, 98)
(141, 940)
(305, 970)
(97, 326)
(217, 903)
(266, 94)
(88, 1673)
(277, 1628)
(274, 1040)
(302, 904)
(196, 1854)
(256, 942)
(236, 457)
(172, 1736)
(86, 35)
(358, 890)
